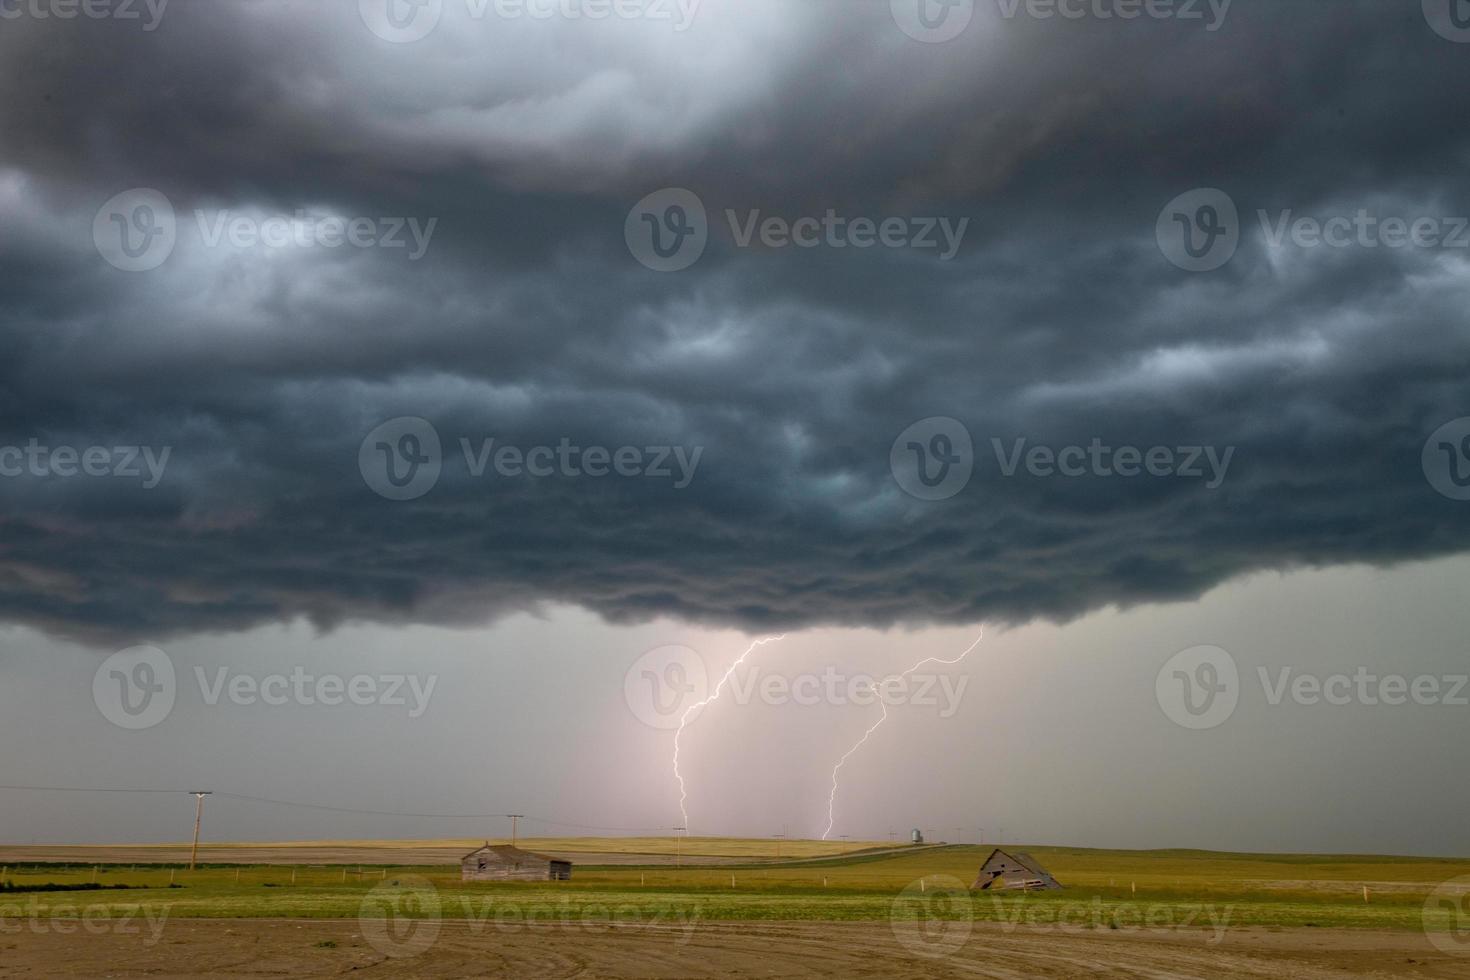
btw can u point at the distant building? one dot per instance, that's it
(1014, 870)
(917, 836)
(501, 862)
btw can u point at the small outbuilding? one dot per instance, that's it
(1014, 870)
(502, 862)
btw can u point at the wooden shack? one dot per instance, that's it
(1014, 870)
(502, 862)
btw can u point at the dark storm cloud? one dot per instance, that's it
(527, 320)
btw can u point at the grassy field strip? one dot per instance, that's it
(1176, 890)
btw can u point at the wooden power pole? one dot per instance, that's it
(199, 795)
(513, 818)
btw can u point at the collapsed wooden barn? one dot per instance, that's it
(502, 862)
(1014, 870)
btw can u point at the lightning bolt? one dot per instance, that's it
(684, 718)
(832, 799)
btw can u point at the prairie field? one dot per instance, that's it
(742, 879)
(1147, 907)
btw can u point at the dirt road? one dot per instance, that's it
(297, 948)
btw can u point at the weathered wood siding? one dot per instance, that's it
(1014, 871)
(511, 864)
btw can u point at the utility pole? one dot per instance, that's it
(513, 818)
(678, 848)
(199, 795)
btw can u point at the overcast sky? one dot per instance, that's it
(1038, 339)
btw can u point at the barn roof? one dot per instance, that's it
(506, 852)
(1020, 857)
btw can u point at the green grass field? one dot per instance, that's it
(1162, 889)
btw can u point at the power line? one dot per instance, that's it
(89, 789)
(348, 809)
(363, 811)
(544, 821)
